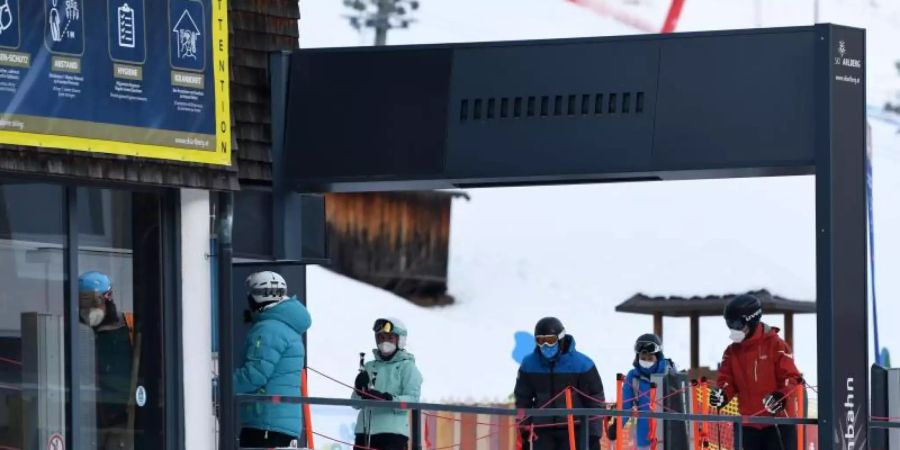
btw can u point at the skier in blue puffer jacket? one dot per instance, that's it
(273, 362)
(648, 361)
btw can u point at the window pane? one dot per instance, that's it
(120, 306)
(32, 334)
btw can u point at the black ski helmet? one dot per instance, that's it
(743, 311)
(649, 343)
(549, 326)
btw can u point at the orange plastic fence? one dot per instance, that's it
(571, 421)
(800, 413)
(620, 403)
(307, 416)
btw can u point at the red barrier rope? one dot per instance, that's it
(361, 392)
(11, 361)
(516, 425)
(518, 422)
(596, 400)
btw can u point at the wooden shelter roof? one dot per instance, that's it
(710, 305)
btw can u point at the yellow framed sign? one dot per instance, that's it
(145, 78)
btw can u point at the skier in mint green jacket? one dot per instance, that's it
(391, 376)
(273, 362)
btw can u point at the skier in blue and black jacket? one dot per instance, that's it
(544, 374)
(649, 360)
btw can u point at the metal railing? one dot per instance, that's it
(883, 425)
(585, 414)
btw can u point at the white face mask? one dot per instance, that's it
(387, 348)
(737, 336)
(93, 316)
(646, 364)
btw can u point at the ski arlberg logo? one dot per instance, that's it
(840, 60)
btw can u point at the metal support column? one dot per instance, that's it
(416, 429)
(286, 205)
(74, 366)
(228, 425)
(841, 238)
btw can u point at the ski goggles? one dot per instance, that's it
(549, 339)
(383, 326)
(740, 323)
(647, 347)
(384, 337)
(268, 292)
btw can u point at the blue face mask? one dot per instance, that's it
(550, 351)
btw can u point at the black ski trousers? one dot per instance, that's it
(776, 437)
(254, 438)
(383, 441)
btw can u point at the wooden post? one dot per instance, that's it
(695, 341)
(789, 329)
(658, 324)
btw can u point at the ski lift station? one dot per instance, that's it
(151, 161)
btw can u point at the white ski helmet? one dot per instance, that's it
(266, 287)
(394, 326)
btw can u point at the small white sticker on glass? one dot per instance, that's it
(140, 396)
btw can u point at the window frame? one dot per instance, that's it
(170, 221)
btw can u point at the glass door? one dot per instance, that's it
(33, 413)
(121, 310)
(109, 333)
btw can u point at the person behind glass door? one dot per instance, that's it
(273, 362)
(114, 345)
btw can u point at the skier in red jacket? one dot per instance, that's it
(759, 369)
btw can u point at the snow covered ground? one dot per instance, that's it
(518, 254)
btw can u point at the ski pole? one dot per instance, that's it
(778, 430)
(780, 439)
(368, 427)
